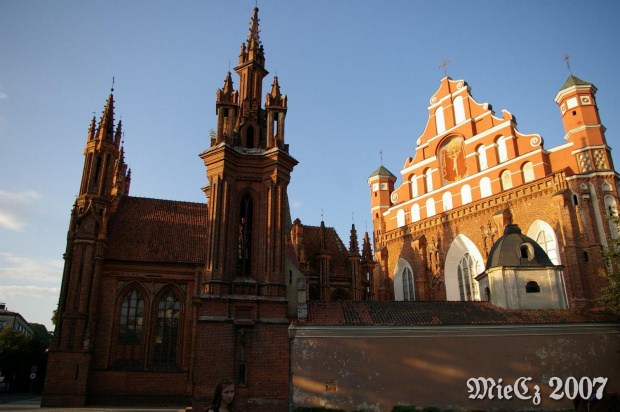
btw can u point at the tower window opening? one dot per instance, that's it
(244, 257)
(585, 256)
(575, 200)
(249, 137)
(532, 287)
(525, 252)
(574, 112)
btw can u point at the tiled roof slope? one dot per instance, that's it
(368, 313)
(158, 230)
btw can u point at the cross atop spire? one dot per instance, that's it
(444, 65)
(567, 60)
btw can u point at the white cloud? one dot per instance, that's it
(29, 270)
(13, 293)
(15, 208)
(3, 96)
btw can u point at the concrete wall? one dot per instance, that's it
(375, 368)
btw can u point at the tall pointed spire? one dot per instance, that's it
(252, 50)
(106, 125)
(366, 249)
(91, 129)
(353, 243)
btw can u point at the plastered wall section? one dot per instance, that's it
(375, 368)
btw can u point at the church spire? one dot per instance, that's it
(105, 132)
(353, 244)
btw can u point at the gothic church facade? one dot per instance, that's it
(472, 174)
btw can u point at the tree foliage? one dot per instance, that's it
(19, 353)
(611, 293)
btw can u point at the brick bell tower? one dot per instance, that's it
(242, 324)
(592, 190)
(105, 178)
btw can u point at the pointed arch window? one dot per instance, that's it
(408, 284)
(244, 253)
(132, 317)
(167, 329)
(467, 270)
(249, 137)
(547, 242)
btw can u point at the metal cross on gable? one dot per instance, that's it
(444, 65)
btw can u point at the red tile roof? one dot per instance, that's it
(367, 313)
(158, 230)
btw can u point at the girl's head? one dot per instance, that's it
(224, 393)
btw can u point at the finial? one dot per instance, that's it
(567, 60)
(322, 215)
(444, 65)
(112, 89)
(353, 217)
(381, 156)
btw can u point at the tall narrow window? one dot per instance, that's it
(249, 137)
(428, 180)
(430, 207)
(166, 336)
(481, 151)
(439, 120)
(467, 270)
(415, 213)
(528, 172)
(414, 186)
(502, 150)
(465, 194)
(485, 187)
(506, 178)
(400, 218)
(459, 110)
(132, 313)
(447, 201)
(244, 255)
(408, 284)
(611, 210)
(547, 242)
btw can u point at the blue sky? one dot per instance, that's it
(358, 74)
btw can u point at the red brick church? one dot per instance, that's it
(160, 298)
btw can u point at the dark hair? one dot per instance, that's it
(216, 401)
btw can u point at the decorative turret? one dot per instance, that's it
(275, 106)
(583, 125)
(381, 184)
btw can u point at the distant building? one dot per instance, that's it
(14, 320)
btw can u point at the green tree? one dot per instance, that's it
(611, 293)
